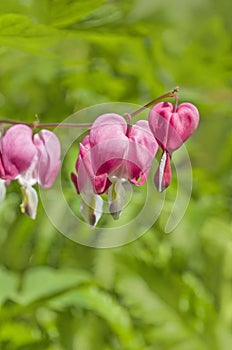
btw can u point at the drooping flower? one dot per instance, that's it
(48, 165)
(17, 152)
(30, 159)
(111, 154)
(171, 127)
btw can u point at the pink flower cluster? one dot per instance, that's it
(29, 159)
(111, 156)
(115, 153)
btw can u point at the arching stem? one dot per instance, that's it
(158, 99)
(37, 123)
(46, 125)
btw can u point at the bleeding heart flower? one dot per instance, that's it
(17, 152)
(171, 127)
(114, 152)
(30, 160)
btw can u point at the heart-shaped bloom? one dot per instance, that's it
(30, 159)
(171, 127)
(112, 152)
(17, 152)
(114, 149)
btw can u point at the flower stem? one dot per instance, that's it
(176, 104)
(166, 95)
(46, 125)
(37, 124)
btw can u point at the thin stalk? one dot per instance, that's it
(158, 99)
(46, 125)
(37, 124)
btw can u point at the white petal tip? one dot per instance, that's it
(30, 202)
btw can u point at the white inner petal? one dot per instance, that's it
(2, 190)
(161, 170)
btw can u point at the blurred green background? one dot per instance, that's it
(162, 291)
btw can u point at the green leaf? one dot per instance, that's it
(66, 12)
(20, 32)
(156, 315)
(45, 282)
(18, 334)
(104, 305)
(8, 284)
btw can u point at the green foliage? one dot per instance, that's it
(162, 291)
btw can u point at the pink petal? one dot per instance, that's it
(17, 151)
(107, 126)
(107, 156)
(141, 133)
(2, 170)
(159, 120)
(139, 181)
(109, 143)
(75, 182)
(184, 122)
(171, 128)
(84, 148)
(49, 151)
(86, 179)
(142, 149)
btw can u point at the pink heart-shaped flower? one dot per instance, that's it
(171, 127)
